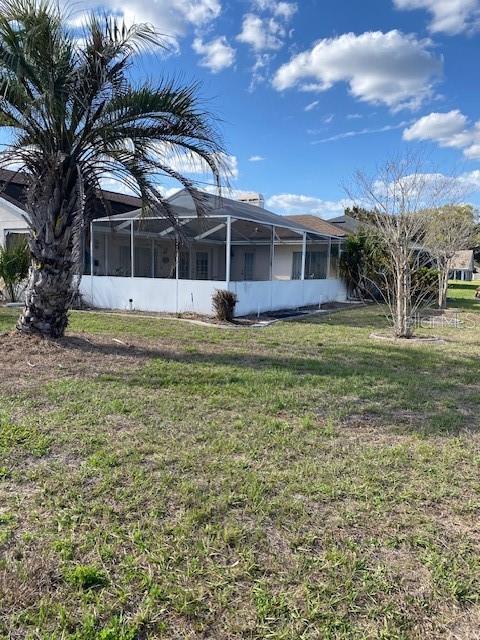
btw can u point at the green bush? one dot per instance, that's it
(224, 302)
(14, 265)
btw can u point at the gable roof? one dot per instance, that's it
(318, 224)
(462, 261)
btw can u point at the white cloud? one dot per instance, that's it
(450, 129)
(361, 132)
(448, 16)
(285, 10)
(170, 18)
(354, 116)
(265, 32)
(393, 68)
(192, 165)
(311, 105)
(470, 181)
(261, 33)
(256, 159)
(290, 203)
(216, 54)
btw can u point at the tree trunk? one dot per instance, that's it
(443, 271)
(48, 297)
(402, 320)
(56, 219)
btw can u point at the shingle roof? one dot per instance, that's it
(462, 261)
(12, 188)
(318, 224)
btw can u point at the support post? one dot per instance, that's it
(329, 257)
(153, 258)
(91, 249)
(272, 253)
(177, 275)
(228, 249)
(304, 255)
(132, 252)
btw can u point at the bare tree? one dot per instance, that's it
(397, 199)
(450, 229)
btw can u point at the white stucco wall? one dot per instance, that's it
(11, 219)
(148, 294)
(258, 297)
(183, 296)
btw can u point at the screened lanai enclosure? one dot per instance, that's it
(144, 262)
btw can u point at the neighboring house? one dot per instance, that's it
(462, 266)
(320, 225)
(346, 224)
(134, 261)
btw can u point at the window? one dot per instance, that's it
(143, 260)
(248, 262)
(14, 239)
(316, 264)
(201, 265)
(297, 265)
(184, 265)
(123, 266)
(335, 260)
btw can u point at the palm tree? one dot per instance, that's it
(73, 117)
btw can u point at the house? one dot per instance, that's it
(270, 262)
(347, 224)
(12, 207)
(462, 266)
(143, 262)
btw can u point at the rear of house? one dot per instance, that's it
(271, 262)
(133, 261)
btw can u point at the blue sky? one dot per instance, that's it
(310, 91)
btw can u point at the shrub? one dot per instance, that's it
(14, 264)
(224, 302)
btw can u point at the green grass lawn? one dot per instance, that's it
(303, 481)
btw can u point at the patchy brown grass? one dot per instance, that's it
(164, 480)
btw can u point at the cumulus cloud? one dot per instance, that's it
(261, 33)
(448, 16)
(216, 54)
(451, 129)
(285, 10)
(256, 159)
(172, 19)
(291, 203)
(394, 69)
(264, 30)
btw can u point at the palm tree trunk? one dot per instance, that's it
(56, 215)
(48, 297)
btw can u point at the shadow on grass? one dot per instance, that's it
(462, 296)
(420, 389)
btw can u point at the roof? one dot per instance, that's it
(318, 224)
(13, 185)
(215, 206)
(462, 261)
(345, 223)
